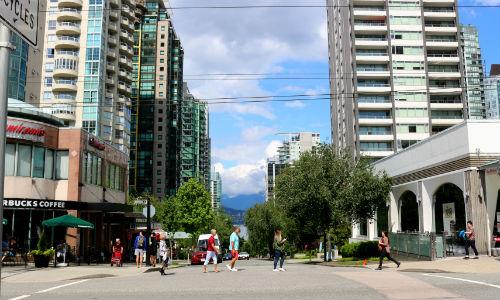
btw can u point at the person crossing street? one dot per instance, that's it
(234, 246)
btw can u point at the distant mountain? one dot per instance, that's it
(242, 202)
(236, 215)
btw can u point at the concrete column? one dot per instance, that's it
(372, 229)
(394, 223)
(355, 231)
(427, 208)
(479, 214)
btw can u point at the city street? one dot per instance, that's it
(255, 280)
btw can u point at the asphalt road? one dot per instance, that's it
(255, 280)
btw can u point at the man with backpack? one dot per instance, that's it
(139, 248)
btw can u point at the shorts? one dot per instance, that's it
(234, 254)
(139, 252)
(211, 255)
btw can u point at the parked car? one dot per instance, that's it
(199, 255)
(227, 256)
(244, 255)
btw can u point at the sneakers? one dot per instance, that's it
(234, 270)
(399, 264)
(379, 268)
(228, 267)
(276, 270)
(282, 270)
(466, 257)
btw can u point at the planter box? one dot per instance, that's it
(41, 261)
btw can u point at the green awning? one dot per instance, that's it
(68, 221)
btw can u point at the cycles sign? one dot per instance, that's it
(22, 17)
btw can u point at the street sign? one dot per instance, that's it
(140, 202)
(21, 16)
(152, 211)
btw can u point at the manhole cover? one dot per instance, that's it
(93, 276)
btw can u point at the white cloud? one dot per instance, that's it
(295, 104)
(243, 179)
(256, 133)
(272, 148)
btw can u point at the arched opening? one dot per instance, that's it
(409, 212)
(449, 209)
(382, 218)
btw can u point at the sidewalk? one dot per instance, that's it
(483, 265)
(31, 274)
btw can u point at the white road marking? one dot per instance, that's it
(20, 297)
(465, 280)
(50, 289)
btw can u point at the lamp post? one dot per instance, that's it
(148, 230)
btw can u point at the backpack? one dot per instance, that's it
(140, 242)
(462, 235)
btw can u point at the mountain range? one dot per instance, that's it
(242, 202)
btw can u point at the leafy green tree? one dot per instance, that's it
(261, 221)
(324, 189)
(192, 208)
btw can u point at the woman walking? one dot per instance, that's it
(279, 253)
(384, 246)
(470, 241)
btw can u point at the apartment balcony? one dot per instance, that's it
(127, 37)
(68, 99)
(439, 14)
(370, 11)
(109, 95)
(368, 58)
(127, 11)
(436, 28)
(368, 73)
(446, 120)
(64, 85)
(67, 42)
(65, 72)
(68, 28)
(111, 54)
(126, 50)
(113, 15)
(447, 106)
(68, 54)
(112, 41)
(382, 137)
(370, 27)
(440, 2)
(123, 88)
(374, 105)
(374, 88)
(441, 44)
(110, 81)
(372, 43)
(379, 153)
(444, 74)
(114, 3)
(69, 14)
(110, 67)
(125, 75)
(443, 58)
(385, 120)
(69, 3)
(63, 111)
(125, 62)
(112, 28)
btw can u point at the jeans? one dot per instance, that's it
(211, 255)
(472, 244)
(383, 254)
(279, 255)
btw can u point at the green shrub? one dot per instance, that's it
(360, 249)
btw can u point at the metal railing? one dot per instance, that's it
(422, 245)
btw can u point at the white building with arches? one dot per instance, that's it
(442, 182)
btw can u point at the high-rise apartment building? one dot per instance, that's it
(18, 63)
(290, 151)
(87, 66)
(492, 93)
(473, 72)
(395, 73)
(216, 190)
(157, 102)
(195, 141)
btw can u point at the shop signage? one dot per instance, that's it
(30, 203)
(94, 142)
(28, 131)
(448, 216)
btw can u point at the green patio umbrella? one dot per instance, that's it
(68, 221)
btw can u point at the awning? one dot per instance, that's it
(68, 221)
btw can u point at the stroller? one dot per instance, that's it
(116, 257)
(164, 254)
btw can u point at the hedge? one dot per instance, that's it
(360, 250)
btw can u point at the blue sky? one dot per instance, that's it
(279, 43)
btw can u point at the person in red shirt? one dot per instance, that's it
(212, 251)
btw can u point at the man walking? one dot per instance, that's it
(212, 251)
(139, 248)
(234, 246)
(470, 241)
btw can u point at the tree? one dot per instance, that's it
(191, 208)
(261, 221)
(324, 189)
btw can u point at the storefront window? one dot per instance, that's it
(38, 162)
(49, 164)
(62, 164)
(24, 161)
(10, 158)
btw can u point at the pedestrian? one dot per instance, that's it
(153, 252)
(212, 252)
(164, 255)
(140, 244)
(234, 246)
(279, 253)
(470, 241)
(384, 246)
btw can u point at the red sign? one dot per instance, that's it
(25, 131)
(94, 142)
